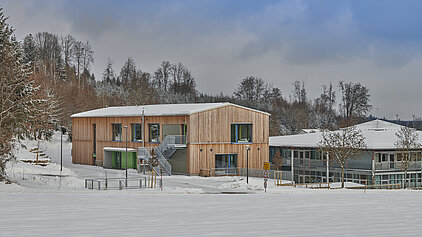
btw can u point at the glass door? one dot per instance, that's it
(226, 163)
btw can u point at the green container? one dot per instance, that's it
(119, 160)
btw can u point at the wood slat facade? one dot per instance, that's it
(208, 134)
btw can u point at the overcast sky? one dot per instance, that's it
(376, 43)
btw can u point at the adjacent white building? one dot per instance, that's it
(380, 163)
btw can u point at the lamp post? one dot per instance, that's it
(126, 155)
(63, 131)
(247, 163)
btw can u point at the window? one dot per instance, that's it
(184, 129)
(136, 132)
(154, 132)
(117, 131)
(384, 157)
(241, 133)
(226, 161)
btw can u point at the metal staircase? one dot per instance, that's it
(162, 153)
(170, 144)
(148, 155)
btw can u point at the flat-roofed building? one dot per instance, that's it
(189, 137)
(380, 163)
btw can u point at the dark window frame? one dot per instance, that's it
(149, 132)
(134, 130)
(113, 130)
(235, 133)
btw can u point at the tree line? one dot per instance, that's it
(45, 78)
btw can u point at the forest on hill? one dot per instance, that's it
(46, 77)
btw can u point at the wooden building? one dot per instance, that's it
(203, 136)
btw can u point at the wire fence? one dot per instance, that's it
(259, 173)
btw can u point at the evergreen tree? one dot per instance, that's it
(17, 101)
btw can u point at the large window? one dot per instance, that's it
(117, 131)
(136, 132)
(226, 161)
(154, 132)
(241, 133)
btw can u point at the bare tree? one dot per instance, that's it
(407, 143)
(324, 112)
(355, 100)
(67, 43)
(299, 92)
(162, 75)
(78, 49)
(250, 90)
(50, 53)
(182, 81)
(347, 143)
(87, 56)
(278, 160)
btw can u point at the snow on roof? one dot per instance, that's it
(311, 130)
(378, 135)
(155, 110)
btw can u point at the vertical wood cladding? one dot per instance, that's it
(207, 130)
(211, 132)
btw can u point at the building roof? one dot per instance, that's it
(311, 130)
(156, 110)
(379, 135)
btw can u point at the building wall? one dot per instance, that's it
(82, 135)
(210, 131)
(179, 162)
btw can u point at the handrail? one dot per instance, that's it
(170, 141)
(163, 161)
(143, 153)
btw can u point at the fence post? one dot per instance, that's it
(120, 185)
(86, 183)
(149, 175)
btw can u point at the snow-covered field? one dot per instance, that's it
(46, 202)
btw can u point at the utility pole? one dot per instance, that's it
(126, 157)
(247, 163)
(143, 135)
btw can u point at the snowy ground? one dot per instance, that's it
(46, 202)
